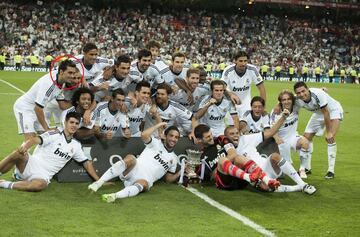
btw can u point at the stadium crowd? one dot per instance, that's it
(54, 28)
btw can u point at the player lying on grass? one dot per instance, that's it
(139, 174)
(54, 150)
(273, 166)
(228, 173)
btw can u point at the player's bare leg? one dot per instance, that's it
(15, 158)
(35, 185)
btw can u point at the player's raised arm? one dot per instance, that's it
(275, 128)
(146, 134)
(28, 144)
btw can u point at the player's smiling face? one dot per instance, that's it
(143, 95)
(118, 101)
(144, 63)
(241, 63)
(71, 126)
(233, 135)
(193, 80)
(69, 76)
(85, 101)
(303, 93)
(122, 70)
(286, 102)
(178, 64)
(172, 138)
(90, 57)
(257, 108)
(218, 92)
(207, 139)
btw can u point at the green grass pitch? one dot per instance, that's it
(170, 210)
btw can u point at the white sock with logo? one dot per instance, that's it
(331, 156)
(289, 170)
(130, 191)
(114, 171)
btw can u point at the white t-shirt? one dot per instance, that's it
(215, 114)
(136, 117)
(55, 151)
(289, 128)
(169, 76)
(151, 75)
(41, 92)
(156, 160)
(110, 122)
(81, 125)
(319, 99)
(241, 84)
(198, 94)
(96, 69)
(256, 126)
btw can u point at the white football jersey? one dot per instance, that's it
(171, 114)
(289, 127)
(151, 75)
(108, 121)
(198, 94)
(256, 126)
(247, 146)
(81, 125)
(215, 115)
(160, 64)
(169, 76)
(114, 84)
(41, 93)
(136, 117)
(155, 161)
(96, 69)
(319, 99)
(241, 84)
(55, 151)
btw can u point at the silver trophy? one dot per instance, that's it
(193, 160)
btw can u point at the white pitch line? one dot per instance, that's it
(11, 85)
(17, 94)
(232, 213)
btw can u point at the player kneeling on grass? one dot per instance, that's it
(156, 161)
(54, 150)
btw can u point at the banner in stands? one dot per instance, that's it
(25, 69)
(104, 154)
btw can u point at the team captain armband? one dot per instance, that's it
(228, 146)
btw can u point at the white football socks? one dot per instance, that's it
(285, 151)
(311, 149)
(114, 171)
(289, 188)
(6, 184)
(304, 156)
(331, 156)
(289, 170)
(129, 191)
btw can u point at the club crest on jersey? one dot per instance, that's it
(170, 115)
(247, 80)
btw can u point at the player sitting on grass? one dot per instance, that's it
(54, 150)
(138, 174)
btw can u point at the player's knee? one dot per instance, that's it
(275, 158)
(130, 161)
(304, 143)
(144, 184)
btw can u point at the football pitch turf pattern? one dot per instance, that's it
(170, 210)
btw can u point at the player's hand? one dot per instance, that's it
(162, 124)
(175, 89)
(235, 99)
(124, 109)
(108, 72)
(153, 110)
(285, 113)
(277, 109)
(104, 86)
(192, 136)
(109, 135)
(329, 137)
(212, 101)
(86, 117)
(22, 149)
(278, 140)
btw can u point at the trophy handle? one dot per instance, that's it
(182, 159)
